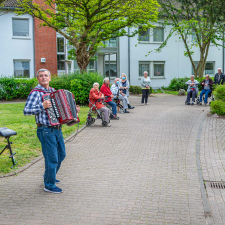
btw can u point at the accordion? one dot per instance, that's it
(63, 110)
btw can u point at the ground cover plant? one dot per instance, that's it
(25, 143)
(218, 106)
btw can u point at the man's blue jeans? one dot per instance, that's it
(113, 105)
(53, 149)
(206, 93)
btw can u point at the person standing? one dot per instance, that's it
(145, 85)
(124, 85)
(51, 138)
(219, 77)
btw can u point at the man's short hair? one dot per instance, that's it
(95, 84)
(43, 70)
(192, 76)
(219, 69)
(146, 72)
(106, 79)
(207, 75)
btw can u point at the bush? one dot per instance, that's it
(137, 89)
(180, 83)
(11, 88)
(79, 84)
(218, 106)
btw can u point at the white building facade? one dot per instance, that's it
(16, 45)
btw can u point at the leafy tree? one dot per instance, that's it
(203, 19)
(86, 23)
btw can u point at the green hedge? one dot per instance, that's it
(180, 83)
(138, 90)
(218, 106)
(79, 84)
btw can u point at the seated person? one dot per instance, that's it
(124, 84)
(192, 89)
(121, 96)
(95, 97)
(219, 77)
(105, 89)
(206, 89)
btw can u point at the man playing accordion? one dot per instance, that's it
(51, 138)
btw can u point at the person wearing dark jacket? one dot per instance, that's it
(219, 77)
(206, 89)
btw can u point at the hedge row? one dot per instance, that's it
(180, 83)
(137, 89)
(79, 84)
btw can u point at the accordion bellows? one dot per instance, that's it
(63, 110)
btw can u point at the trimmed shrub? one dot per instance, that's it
(138, 90)
(218, 106)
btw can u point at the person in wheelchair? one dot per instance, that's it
(95, 98)
(118, 93)
(206, 89)
(192, 90)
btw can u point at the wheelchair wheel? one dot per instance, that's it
(88, 123)
(111, 116)
(104, 123)
(92, 120)
(186, 102)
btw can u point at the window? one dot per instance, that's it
(112, 42)
(90, 67)
(144, 66)
(143, 34)
(61, 53)
(158, 34)
(21, 68)
(158, 69)
(154, 69)
(20, 27)
(209, 68)
(60, 44)
(110, 69)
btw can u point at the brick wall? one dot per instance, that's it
(45, 46)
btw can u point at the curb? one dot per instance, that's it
(39, 157)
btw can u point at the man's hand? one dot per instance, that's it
(112, 96)
(47, 104)
(206, 84)
(147, 87)
(103, 95)
(203, 83)
(78, 108)
(123, 94)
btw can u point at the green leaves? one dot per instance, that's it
(88, 23)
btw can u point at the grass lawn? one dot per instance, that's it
(25, 143)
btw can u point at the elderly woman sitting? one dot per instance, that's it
(96, 97)
(192, 89)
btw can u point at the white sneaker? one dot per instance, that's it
(142, 104)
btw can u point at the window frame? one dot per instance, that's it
(211, 75)
(151, 69)
(21, 60)
(153, 34)
(148, 33)
(21, 37)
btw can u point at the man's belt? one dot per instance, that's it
(52, 127)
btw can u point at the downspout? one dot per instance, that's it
(129, 54)
(34, 49)
(223, 49)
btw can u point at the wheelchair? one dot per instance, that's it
(196, 98)
(94, 111)
(210, 97)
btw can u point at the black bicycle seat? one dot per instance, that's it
(6, 132)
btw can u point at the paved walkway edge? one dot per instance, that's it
(206, 205)
(72, 136)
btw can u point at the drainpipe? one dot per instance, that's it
(34, 49)
(223, 48)
(129, 54)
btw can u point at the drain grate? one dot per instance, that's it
(216, 184)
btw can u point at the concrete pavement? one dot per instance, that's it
(142, 170)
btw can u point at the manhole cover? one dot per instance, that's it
(215, 184)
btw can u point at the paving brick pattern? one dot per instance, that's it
(142, 170)
(212, 150)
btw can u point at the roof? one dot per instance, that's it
(10, 4)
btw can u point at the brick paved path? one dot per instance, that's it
(142, 170)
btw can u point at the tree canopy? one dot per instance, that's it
(86, 23)
(201, 19)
